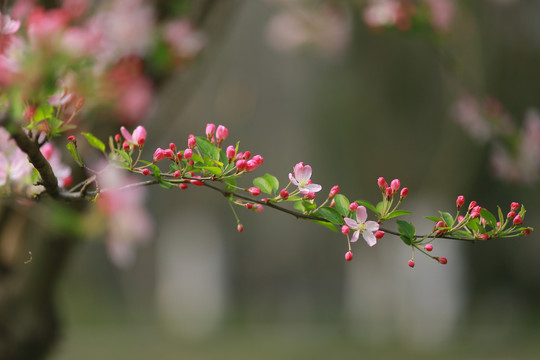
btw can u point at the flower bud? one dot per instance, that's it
(191, 163)
(145, 172)
(169, 154)
(72, 139)
(240, 228)
(259, 159)
(196, 182)
(284, 194)
(428, 247)
(526, 231)
(117, 138)
(395, 185)
(251, 165)
(176, 174)
(241, 165)
(172, 146)
(125, 146)
(210, 129)
(353, 206)
(221, 134)
(231, 152)
(247, 155)
(333, 203)
(483, 236)
(249, 206)
(348, 256)
(345, 230)
(389, 192)
(333, 191)
(310, 195)
(188, 154)
(379, 234)
(460, 201)
(511, 215)
(382, 183)
(472, 205)
(514, 206)
(411, 263)
(459, 218)
(191, 142)
(518, 220)
(158, 155)
(258, 208)
(441, 260)
(404, 193)
(254, 191)
(183, 186)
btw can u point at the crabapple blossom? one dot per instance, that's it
(382, 183)
(192, 141)
(258, 159)
(428, 247)
(441, 260)
(334, 191)
(251, 165)
(176, 174)
(221, 134)
(240, 227)
(254, 191)
(514, 206)
(518, 220)
(395, 185)
(411, 263)
(460, 201)
(210, 130)
(353, 206)
(527, 232)
(137, 138)
(231, 152)
(169, 154)
(145, 172)
(363, 227)
(241, 165)
(345, 229)
(511, 215)
(158, 155)
(379, 234)
(302, 175)
(284, 194)
(188, 154)
(183, 186)
(404, 193)
(349, 255)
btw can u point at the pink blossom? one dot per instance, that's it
(442, 12)
(382, 13)
(258, 159)
(302, 175)
(137, 138)
(188, 154)
(349, 256)
(395, 185)
(192, 141)
(8, 26)
(184, 39)
(221, 134)
(210, 130)
(158, 155)
(251, 165)
(363, 227)
(231, 152)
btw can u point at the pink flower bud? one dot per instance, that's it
(240, 155)
(158, 155)
(333, 203)
(259, 159)
(172, 146)
(404, 193)
(241, 165)
(527, 232)
(47, 150)
(191, 162)
(176, 174)
(428, 247)
(231, 152)
(192, 141)
(395, 185)
(258, 208)
(348, 256)
(221, 134)
(169, 154)
(310, 195)
(518, 220)
(196, 182)
(249, 206)
(411, 263)
(210, 130)
(247, 155)
(379, 234)
(188, 154)
(353, 206)
(514, 206)
(179, 156)
(382, 183)
(459, 218)
(472, 205)
(440, 224)
(117, 138)
(284, 194)
(254, 191)
(145, 172)
(345, 230)
(72, 139)
(251, 165)
(460, 201)
(183, 186)
(483, 236)
(441, 260)
(511, 215)
(67, 181)
(333, 191)
(125, 146)
(389, 192)
(240, 228)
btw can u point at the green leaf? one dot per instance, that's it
(197, 159)
(74, 153)
(368, 205)
(447, 218)
(522, 212)
(273, 181)
(299, 205)
(263, 184)
(326, 225)
(501, 216)
(156, 171)
(331, 215)
(173, 167)
(207, 148)
(308, 205)
(405, 239)
(378, 208)
(490, 218)
(342, 204)
(214, 170)
(94, 141)
(433, 218)
(230, 184)
(165, 184)
(406, 229)
(473, 224)
(125, 156)
(397, 213)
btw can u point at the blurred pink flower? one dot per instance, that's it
(382, 13)
(442, 12)
(184, 39)
(8, 25)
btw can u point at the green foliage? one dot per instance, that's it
(489, 217)
(407, 231)
(368, 205)
(207, 148)
(342, 204)
(74, 153)
(263, 184)
(94, 142)
(331, 215)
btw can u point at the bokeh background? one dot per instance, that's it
(383, 106)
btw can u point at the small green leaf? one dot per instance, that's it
(378, 208)
(125, 156)
(231, 184)
(406, 229)
(197, 159)
(273, 181)
(368, 205)
(397, 213)
(331, 215)
(263, 184)
(473, 224)
(94, 141)
(165, 184)
(433, 218)
(308, 205)
(74, 153)
(447, 218)
(214, 170)
(501, 216)
(326, 225)
(156, 171)
(300, 206)
(522, 212)
(405, 239)
(342, 204)
(207, 148)
(490, 218)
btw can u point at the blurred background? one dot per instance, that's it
(376, 102)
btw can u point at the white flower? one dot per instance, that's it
(302, 173)
(366, 228)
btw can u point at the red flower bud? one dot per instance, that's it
(348, 256)
(460, 201)
(379, 234)
(241, 165)
(518, 220)
(511, 215)
(196, 182)
(514, 206)
(345, 230)
(145, 172)
(254, 191)
(411, 263)
(191, 142)
(231, 152)
(249, 206)
(428, 247)
(404, 193)
(284, 194)
(526, 231)
(118, 138)
(353, 206)
(183, 186)
(258, 159)
(247, 155)
(441, 260)
(188, 154)
(172, 147)
(240, 228)
(169, 154)
(334, 191)
(382, 183)
(395, 185)
(472, 205)
(210, 130)
(176, 174)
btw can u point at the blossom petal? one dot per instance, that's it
(356, 235)
(304, 173)
(293, 180)
(361, 214)
(351, 223)
(372, 226)
(313, 187)
(126, 135)
(369, 237)
(139, 134)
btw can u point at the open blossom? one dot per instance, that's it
(8, 25)
(137, 138)
(302, 174)
(363, 227)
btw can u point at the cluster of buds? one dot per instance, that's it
(216, 135)
(392, 190)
